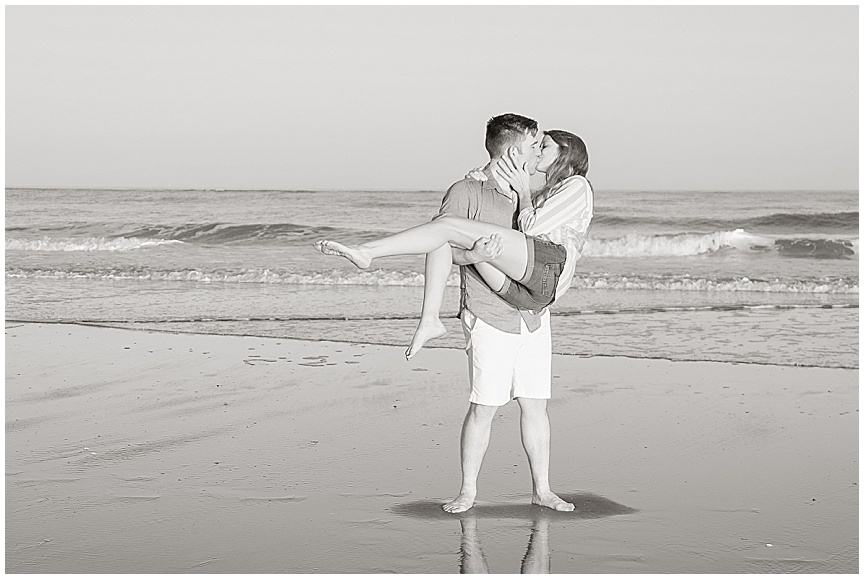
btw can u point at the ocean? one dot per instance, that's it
(744, 277)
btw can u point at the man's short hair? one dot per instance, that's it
(507, 130)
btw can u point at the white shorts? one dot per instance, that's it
(504, 366)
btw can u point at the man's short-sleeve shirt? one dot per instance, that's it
(484, 201)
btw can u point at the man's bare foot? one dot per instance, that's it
(353, 254)
(552, 501)
(460, 504)
(427, 329)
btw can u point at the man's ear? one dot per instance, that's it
(512, 152)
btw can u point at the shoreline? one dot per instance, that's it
(146, 451)
(151, 327)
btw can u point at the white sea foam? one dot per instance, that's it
(684, 244)
(380, 277)
(88, 244)
(262, 276)
(742, 284)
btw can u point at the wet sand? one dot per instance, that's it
(133, 451)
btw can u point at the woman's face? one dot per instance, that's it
(548, 153)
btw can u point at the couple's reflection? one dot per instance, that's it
(537, 558)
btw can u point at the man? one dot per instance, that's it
(509, 350)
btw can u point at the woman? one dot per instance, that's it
(529, 268)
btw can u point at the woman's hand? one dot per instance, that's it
(518, 177)
(477, 174)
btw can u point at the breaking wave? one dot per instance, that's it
(289, 234)
(841, 221)
(195, 233)
(87, 244)
(689, 244)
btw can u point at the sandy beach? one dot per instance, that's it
(134, 451)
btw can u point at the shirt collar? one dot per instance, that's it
(492, 183)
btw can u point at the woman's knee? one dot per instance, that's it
(454, 230)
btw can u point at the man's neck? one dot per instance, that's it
(503, 186)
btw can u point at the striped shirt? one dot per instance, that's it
(563, 219)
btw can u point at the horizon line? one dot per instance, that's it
(405, 190)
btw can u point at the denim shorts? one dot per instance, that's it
(536, 289)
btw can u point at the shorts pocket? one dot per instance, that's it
(549, 280)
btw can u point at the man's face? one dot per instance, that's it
(528, 153)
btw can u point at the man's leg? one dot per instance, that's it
(476, 431)
(532, 388)
(491, 354)
(537, 441)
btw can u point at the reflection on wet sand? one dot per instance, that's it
(473, 559)
(588, 506)
(538, 556)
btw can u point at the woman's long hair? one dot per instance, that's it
(572, 160)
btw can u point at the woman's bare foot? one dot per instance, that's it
(552, 501)
(427, 329)
(353, 254)
(460, 504)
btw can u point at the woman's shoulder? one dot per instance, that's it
(573, 184)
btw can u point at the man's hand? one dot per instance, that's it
(485, 249)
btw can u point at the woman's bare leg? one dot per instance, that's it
(438, 266)
(439, 263)
(493, 276)
(457, 231)
(434, 239)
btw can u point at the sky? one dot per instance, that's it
(397, 97)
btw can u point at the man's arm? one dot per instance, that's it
(457, 201)
(462, 256)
